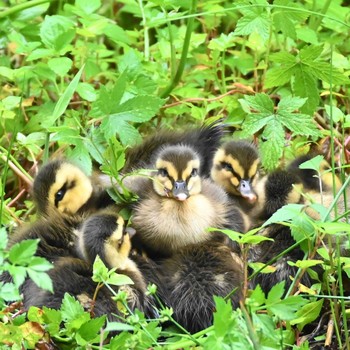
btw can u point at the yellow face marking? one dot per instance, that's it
(236, 166)
(169, 168)
(234, 181)
(194, 185)
(79, 189)
(253, 168)
(192, 164)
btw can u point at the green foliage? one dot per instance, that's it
(88, 79)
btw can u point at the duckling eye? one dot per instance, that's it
(163, 172)
(227, 166)
(59, 195)
(194, 172)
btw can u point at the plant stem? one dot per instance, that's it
(184, 53)
(146, 32)
(21, 7)
(314, 26)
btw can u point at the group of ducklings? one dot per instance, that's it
(194, 181)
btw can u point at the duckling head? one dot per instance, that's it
(235, 168)
(177, 172)
(61, 186)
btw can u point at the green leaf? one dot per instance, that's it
(276, 293)
(257, 297)
(255, 20)
(91, 329)
(272, 144)
(39, 264)
(305, 264)
(290, 104)
(100, 271)
(314, 163)
(307, 314)
(260, 103)
(117, 279)
(41, 279)
(286, 309)
(3, 238)
(21, 252)
(60, 65)
(305, 85)
(88, 6)
(87, 92)
(64, 100)
(118, 327)
(71, 308)
(56, 32)
(9, 292)
(222, 316)
(286, 213)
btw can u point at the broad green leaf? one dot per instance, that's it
(60, 65)
(9, 292)
(64, 100)
(309, 54)
(39, 264)
(284, 58)
(91, 329)
(272, 144)
(3, 237)
(21, 252)
(286, 309)
(314, 163)
(71, 308)
(307, 314)
(100, 271)
(308, 35)
(117, 279)
(222, 316)
(286, 213)
(279, 76)
(41, 279)
(11, 102)
(88, 6)
(335, 227)
(300, 124)
(87, 92)
(276, 293)
(305, 85)
(290, 104)
(255, 21)
(284, 24)
(116, 34)
(260, 103)
(257, 297)
(56, 32)
(337, 114)
(324, 71)
(80, 156)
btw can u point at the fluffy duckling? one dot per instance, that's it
(204, 140)
(194, 275)
(62, 186)
(236, 169)
(177, 206)
(102, 234)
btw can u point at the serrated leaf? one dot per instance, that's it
(284, 24)
(100, 271)
(255, 22)
(41, 279)
(9, 292)
(21, 252)
(276, 293)
(260, 103)
(307, 314)
(305, 85)
(91, 329)
(334, 227)
(222, 316)
(286, 309)
(64, 100)
(3, 238)
(284, 58)
(271, 147)
(290, 104)
(71, 308)
(257, 297)
(39, 264)
(286, 213)
(80, 156)
(300, 124)
(310, 53)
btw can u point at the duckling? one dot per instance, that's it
(194, 275)
(204, 140)
(177, 205)
(102, 234)
(62, 186)
(236, 169)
